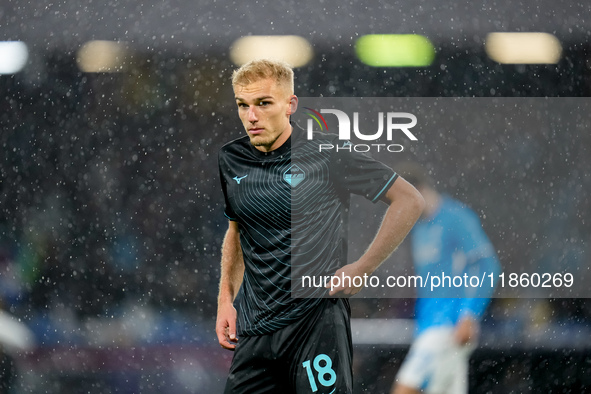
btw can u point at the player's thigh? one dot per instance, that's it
(425, 356)
(323, 359)
(456, 366)
(255, 368)
(436, 363)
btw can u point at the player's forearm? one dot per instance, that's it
(406, 206)
(476, 302)
(232, 267)
(229, 285)
(397, 223)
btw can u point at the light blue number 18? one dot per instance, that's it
(322, 372)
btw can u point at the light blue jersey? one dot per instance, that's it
(452, 243)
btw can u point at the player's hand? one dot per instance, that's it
(342, 283)
(225, 326)
(466, 330)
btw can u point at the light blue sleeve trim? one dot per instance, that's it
(229, 218)
(387, 186)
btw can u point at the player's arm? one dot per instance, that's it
(405, 206)
(482, 260)
(230, 281)
(474, 305)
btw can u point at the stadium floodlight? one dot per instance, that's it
(13, 56)
(523, 48)
(294, 50)
(395, 50)
(103, 56)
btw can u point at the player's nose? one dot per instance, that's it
(252, 115)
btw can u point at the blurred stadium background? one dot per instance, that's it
(111, 115)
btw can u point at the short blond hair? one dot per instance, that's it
(255, 70)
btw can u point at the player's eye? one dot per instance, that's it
(264, 103)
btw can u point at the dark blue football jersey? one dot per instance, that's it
(291, 205)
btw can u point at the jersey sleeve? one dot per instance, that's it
(228, 211)
(359, 173)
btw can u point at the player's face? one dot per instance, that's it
(264, 108)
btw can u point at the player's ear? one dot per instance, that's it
(293, 104)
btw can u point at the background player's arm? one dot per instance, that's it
(406, 206)
(230, 281)
(482, 260)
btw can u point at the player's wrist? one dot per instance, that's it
(366, 266)
(225, 301)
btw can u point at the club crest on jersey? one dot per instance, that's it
(294, 175)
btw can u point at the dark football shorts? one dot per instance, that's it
(312, 355)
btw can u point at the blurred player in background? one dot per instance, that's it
(285, 344)
(447, 239)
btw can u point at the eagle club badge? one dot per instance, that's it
(294, 175)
